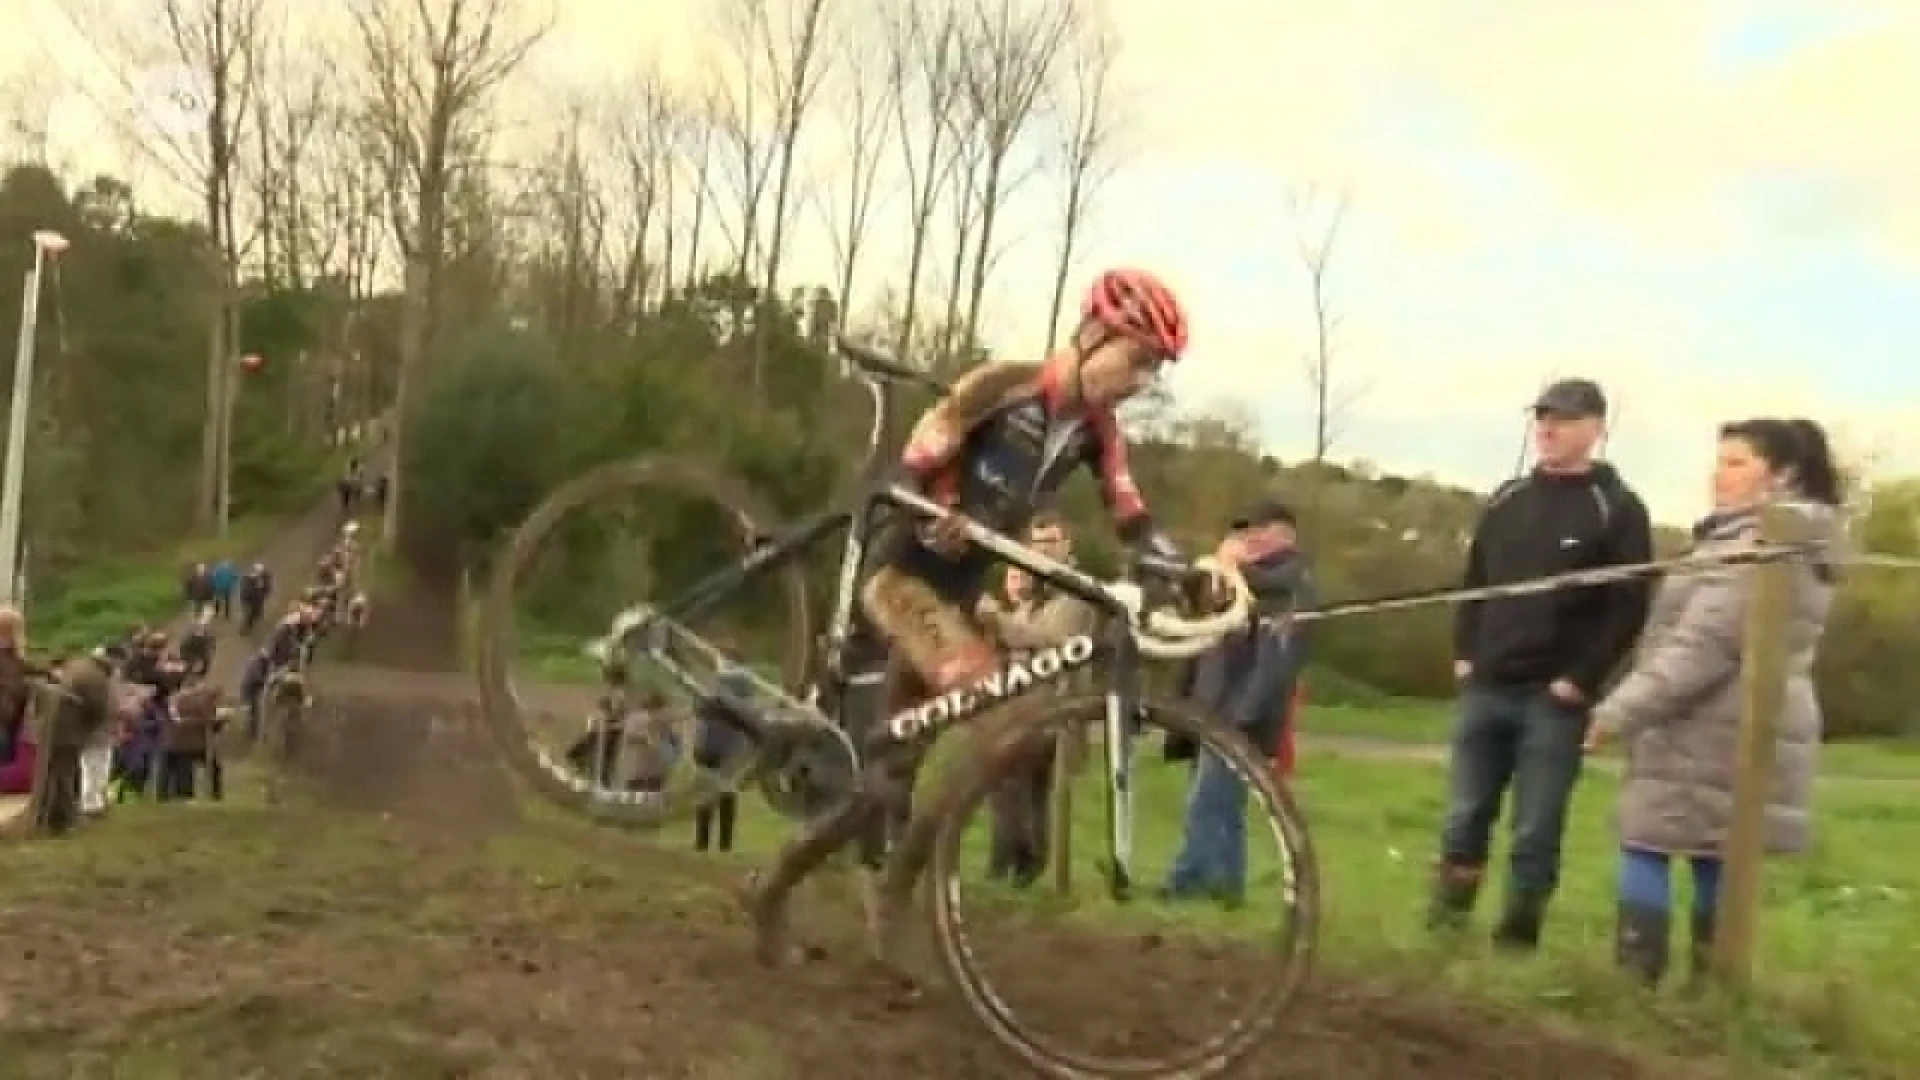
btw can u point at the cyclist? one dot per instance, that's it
(995, 447)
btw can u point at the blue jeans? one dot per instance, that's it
(1646, 881)
(1213, 852)
(1519, 738)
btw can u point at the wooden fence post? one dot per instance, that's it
(1067, 746)
(1763, 679)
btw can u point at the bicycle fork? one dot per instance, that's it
(1119, 766)
(1123, 700)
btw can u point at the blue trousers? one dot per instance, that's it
(1213, 854)
(1646, 880)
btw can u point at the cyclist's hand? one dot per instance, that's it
(1218, 590)
(948, 535)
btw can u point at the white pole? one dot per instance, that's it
(12, 569)
(10, 495)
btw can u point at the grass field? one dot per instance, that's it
(109, 599)
(1840, 961)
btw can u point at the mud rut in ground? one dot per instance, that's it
(660, 985)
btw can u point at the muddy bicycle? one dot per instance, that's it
(798, 735)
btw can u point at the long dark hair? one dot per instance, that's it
(1796, 446)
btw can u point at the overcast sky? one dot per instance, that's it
(1710, 206)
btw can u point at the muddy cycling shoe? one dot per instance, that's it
(767, 916)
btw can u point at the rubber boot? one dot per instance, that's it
(1454, 890)
(1700, 948)
(1640, 942)
(1519, 927)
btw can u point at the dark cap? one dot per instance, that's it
(1263, 513)
(1572, 397)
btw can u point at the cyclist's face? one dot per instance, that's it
(1120, 368)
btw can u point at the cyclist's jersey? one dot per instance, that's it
(996, 449)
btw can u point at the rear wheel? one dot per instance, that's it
(1213, 976)
(645, 529)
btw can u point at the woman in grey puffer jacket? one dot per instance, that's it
(1677, 712)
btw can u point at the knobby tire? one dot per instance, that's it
(969, 788)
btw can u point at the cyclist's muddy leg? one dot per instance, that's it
(1000, 742)
(813, 845)
(934, 646)
(861, 819)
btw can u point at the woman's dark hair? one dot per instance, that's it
(1798, 445)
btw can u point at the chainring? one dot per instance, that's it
(808, 769)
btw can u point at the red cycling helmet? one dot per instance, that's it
(1139, 305)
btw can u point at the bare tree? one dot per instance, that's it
(1011, 55)
(693, 175)
(1316, 238)
(431, 69)
(794, 64)
(567, 202)
(185, 96)
(965, 203)
(923, 84)
(645, 124)
(739, 112)
(291, 118)
(867, 118)
(1088, 149)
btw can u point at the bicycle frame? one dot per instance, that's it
(924, 723)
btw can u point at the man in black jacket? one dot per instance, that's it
(1530, 667)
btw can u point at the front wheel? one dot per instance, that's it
(1213, 975)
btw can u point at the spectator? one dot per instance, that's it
(1033, 616)
(1246, 681)
(197, 589)
(286, 649)
(255, 587)
(18, 750)
(1677, 711)
(596, 753)
(15, 693)
(1529, 667)
(655, 744)
(224, 579)
(194, 715)
(723, 724)
(197, 644)
(349, 486)
(76, 718)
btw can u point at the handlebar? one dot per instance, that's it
(1163, 635)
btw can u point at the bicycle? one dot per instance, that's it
(657, 635)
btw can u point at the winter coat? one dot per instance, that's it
(1677, 712)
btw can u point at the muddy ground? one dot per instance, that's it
(401, 915)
